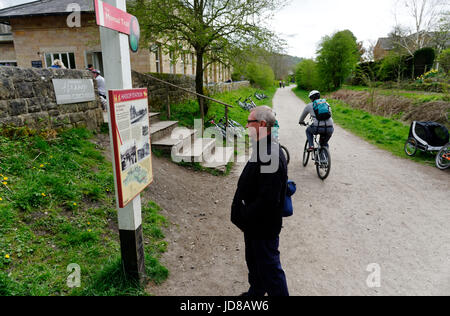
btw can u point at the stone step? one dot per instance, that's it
(161, 129)
(201, 150)
(220, 159)
(154, 117)
(180, 137)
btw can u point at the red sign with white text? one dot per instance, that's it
(113, 18)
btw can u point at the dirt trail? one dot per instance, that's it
(374, 208)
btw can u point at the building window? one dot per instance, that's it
(68, 59)
(156, 49)
(173, 62)
(185, 61)
(11, 63)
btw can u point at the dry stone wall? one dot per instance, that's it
(27, 98)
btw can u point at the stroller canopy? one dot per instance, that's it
(429, 133)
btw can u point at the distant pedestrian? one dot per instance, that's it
(281, 85)
(101, 85)
(257, 207)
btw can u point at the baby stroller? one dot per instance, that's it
(426, 136)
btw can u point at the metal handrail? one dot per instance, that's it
(197, 94)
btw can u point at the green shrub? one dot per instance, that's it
(260, 75)
(423, 60)
(306, 75)
(444, 60)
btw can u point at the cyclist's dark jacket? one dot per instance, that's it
(259, 197)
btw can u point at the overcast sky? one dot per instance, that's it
(305, 22)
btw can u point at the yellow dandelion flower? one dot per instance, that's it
(5, 178)
(43, 194)
(89, 223)
(1, 199)
(74, 204)
(7, 257)
(5, 183)
(41, 165)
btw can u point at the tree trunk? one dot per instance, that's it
(199, 83)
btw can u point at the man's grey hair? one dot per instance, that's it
(265, 113)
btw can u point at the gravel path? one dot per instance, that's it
(373, 209)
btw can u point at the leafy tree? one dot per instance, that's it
(338, 57)
(444, 60)
(306, 75)
(212, 28)
(260, 75)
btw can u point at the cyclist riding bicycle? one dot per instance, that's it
(323, 124)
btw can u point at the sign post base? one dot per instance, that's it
(133, 257)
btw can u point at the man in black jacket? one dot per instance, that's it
(257, 207)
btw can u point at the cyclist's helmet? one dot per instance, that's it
(314, 95)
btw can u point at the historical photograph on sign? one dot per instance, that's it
(143, 149)
(138, 112)
(132, 145)
(145, 130)
(128, 155)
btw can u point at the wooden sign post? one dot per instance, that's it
(117, 65)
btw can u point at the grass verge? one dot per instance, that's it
(386, 133)
(57, 207)
(186, 112)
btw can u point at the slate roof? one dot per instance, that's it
(45, 7)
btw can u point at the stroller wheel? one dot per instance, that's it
(411, 147)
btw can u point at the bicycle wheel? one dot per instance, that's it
(323, 165)
(443, 158)
(286, 153)
(306, 155)
(411, 147)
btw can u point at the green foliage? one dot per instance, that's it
(423, 60)
(444, 60)
(393, 67)
(338, 57)
(260, 75)
(306, 75)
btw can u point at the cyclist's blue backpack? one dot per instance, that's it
(288, 209)
(322, 109)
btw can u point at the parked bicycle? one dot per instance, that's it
(443, 157)
(250, 102)
(233, 127)
(244, 104)
(260, 96)
(320, 155)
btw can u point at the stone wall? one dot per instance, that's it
(226, 87)
(27, 98)
(157, 91)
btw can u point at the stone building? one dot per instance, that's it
(36, 33)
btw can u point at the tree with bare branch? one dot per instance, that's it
(426, 16)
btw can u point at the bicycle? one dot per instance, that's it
(321, 156)
(250, 102)
(260, 96)
(244, 104)
(443, 158)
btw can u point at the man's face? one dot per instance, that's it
(255, 128)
